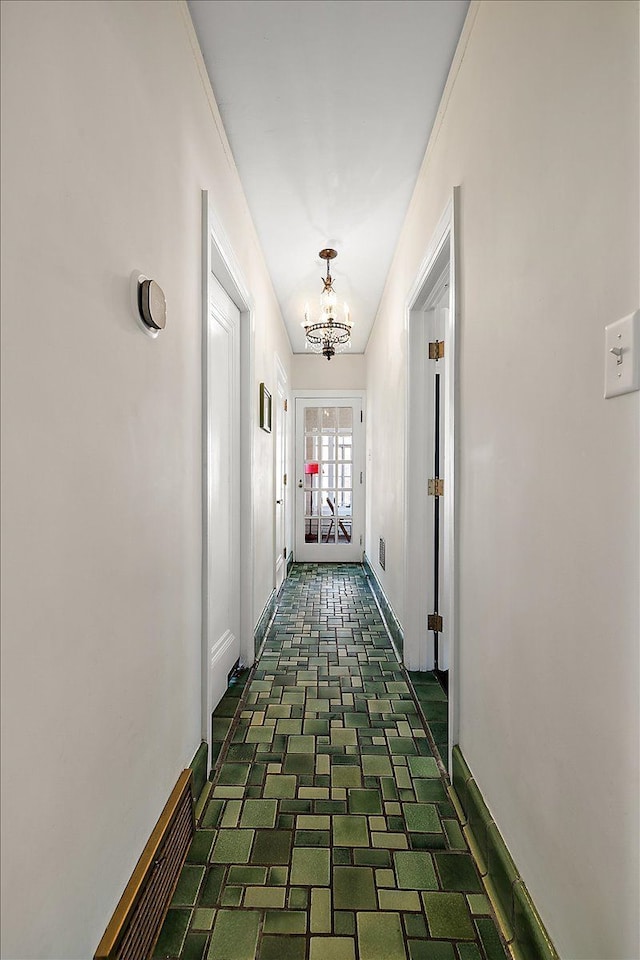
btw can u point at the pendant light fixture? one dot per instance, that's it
(327, 335)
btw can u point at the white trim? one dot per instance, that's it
(218, 258)
(440, 237)
(441, 254)
(328, 394)
(281, 394)
(221, 646)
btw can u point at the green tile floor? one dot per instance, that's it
(328, 833)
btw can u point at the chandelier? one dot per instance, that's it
(327, 335)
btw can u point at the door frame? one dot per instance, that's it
(442, 254)
(327, 396)
(281, 392)
(218, 258)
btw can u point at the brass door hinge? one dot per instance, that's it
(435, 487)
(286, 405)
(436, 350)
(434, 622)
(284, 479)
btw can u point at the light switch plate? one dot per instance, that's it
(622, 356)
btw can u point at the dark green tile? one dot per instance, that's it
(490, 938)
(212, 813)
(402, 746)
(415, 925)
(285, 921)
(296, 806)
(341, 856)
(220, 727)
(172, 934)
(246, 875)
(330, 806)
(312, 838)
(430, 791)
(353, 888)
(457, 872)
(231, 896)
(372, 858)
(423, 950)
(188, 885)
(454, 834)
(283, 948)
(272, 846)
(365, 801)
(299, 763)
(199, 767)
(233, 774)
(316, 728)
(469, 951)
(344, 923)
(201, 846)
(194, 946)
(211, 887)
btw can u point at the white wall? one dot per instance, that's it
(312, 371)
(108, 138)
(541, 132)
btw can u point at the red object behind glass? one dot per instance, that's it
(312, 467)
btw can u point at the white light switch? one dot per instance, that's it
(622, 356)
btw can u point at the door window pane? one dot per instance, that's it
(328, 442)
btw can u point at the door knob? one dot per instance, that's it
(278, 501)
(300, 484)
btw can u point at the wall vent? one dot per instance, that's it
(134, 928)
(381, 553)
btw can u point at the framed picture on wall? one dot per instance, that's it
(265, 408)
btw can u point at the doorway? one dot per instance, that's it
(329, 516)
(222, 490)
(227, 500)
(430, 641)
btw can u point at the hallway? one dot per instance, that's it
(328, 833)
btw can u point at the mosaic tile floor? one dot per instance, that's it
(328, 833)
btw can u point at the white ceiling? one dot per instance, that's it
(328, 106)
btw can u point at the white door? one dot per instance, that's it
(222, 498)
(437, 586)
(280, 483)
(329, 479)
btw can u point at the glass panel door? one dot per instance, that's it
(329, 514)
